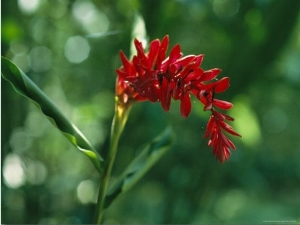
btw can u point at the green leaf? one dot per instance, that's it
(26, 87)
(151, 153)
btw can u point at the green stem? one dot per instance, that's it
(119, 121)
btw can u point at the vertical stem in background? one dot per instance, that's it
(119, 121)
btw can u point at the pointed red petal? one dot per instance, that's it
(153, 51)
(211, 74)
(165, 95)
(121, 72)
(222, 85)
(184, 61)
(227, 117)
(175, 54)
(228, 128)
(222, 104)
(227, 142)
(139, 48)
(185, 106)
(162, 51)
(199, 59)
(165, 42)
(194, 76)
(209, 127)
(127, 64)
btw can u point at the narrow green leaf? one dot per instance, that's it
(151, 153)
(26, 87)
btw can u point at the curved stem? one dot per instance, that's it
(119, 121)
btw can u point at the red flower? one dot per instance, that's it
(126, 93)
(153, 76)
(217, 139)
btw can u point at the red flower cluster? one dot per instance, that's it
(153, 76)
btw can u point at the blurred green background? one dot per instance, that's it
(70, 49)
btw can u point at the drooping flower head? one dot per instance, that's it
(154, 77)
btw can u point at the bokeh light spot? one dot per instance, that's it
(291, 66)
(247, 123)
(41, 59)
(10, 30)
(229, 204)
(77, 49)
(20, 141)
(17, 47)
(256, 30)
(226, 8)
(86, 192)
(13, 171)
(23, 61)
(39, 30)
(92, 19)
(28, 6)
(36, 172)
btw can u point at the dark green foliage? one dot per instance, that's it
(254, 42)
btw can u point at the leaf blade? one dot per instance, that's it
(24, 86)
(151, 153)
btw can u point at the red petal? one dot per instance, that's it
(227, 117)
(164, 43)
(223, 154)
(228, 128)
(199, 59)
(192, 66)
(173, 68)
(219, 115)
(209, 127)
(165, 97)
(227, 142)
(196, 74)
(177, 92)
(162, 51)
(127, 64)
(222, 104)
(154, 92)
(185, 106)
(211, 74)
(184, 61)
(175, 54)
(122, 73)
(153, 51)
(222, 116)
(139, 48)
(222, 85)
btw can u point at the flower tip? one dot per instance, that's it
(166, 37)
(121, 53)
(136, 41)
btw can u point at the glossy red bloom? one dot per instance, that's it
(217, 139)
(154, 77)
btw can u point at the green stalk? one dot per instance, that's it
(119, 121)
